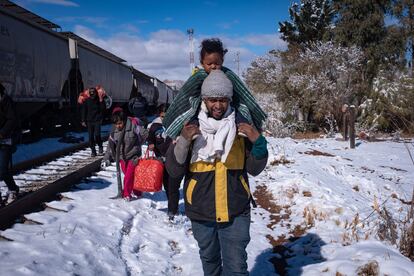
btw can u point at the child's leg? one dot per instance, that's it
(128, 170)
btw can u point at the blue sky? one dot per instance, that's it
(151, 35)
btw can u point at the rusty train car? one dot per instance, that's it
(45, 69)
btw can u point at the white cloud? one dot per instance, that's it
(97, 21)
(165, 53)
(168, 19)
(131, 28)
(271, 40)
(57, 2)
(227, 25)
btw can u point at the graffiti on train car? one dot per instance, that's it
(4, 30)
(45, 70)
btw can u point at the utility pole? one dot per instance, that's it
(190, 33)
(238, 62)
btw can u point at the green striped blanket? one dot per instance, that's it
(186, 103)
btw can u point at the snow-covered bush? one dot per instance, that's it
(275, 122)
(390, 106)
(327, 76)
(309, 85)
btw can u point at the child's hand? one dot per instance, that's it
(250, 131)
(104, 164)
(189, 131)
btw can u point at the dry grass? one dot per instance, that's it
(282, 160)
(307, 194)
(369, 269)
(407, 240)
(310, 215)
(308, 135)
(318, 153)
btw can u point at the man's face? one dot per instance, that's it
(212, 61)
(217, 107)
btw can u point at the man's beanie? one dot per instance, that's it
(217, 85)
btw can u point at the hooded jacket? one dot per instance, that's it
(130, 137)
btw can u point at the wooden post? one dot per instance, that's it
(345, 121)
(352, 126)
(345, 127)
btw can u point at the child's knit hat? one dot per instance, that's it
(217, 85)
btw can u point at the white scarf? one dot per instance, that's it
(217, 136)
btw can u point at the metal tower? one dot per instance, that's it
(190, 33)
(238, 62)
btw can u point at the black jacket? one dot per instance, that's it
(9, 123)
(138, 106)
(92, 110)
(155, 136)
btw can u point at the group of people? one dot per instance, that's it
(213, 148)
(210, 137)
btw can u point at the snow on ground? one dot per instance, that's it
(33, 150)
(325, 192)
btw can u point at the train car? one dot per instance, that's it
(144, 84)
(166, 93)
(44, 70)
(96, 66)
(34, 64)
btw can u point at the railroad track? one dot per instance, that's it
(44, 183)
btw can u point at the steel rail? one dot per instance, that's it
(28, 203)
(28, 164)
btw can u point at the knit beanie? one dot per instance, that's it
(217, 85)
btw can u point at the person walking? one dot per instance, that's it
(138, 107)
(9, 131)
(159, 143)
(215, 157)
(93, 109)
(124, 147)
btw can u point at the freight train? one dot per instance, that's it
(45, 69)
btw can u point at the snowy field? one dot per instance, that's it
(328, 196)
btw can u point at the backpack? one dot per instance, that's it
(141, 132)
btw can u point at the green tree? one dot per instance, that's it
(310, 22)
(404, 11)
(361, 23)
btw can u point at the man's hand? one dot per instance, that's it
(83, 124)
(189, 131)
(249, 131)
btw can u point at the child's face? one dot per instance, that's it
(119, 125)
(212, 61)
(162, 115)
